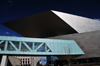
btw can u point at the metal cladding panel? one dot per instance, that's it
(41, 25)
(89, 42)
(78, 23)
(37, 46)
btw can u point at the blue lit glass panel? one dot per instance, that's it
(29, 44)
(36, 45)
(42, 48)
(2, 46)
(24, 48)
(16, 43)
(10, 47)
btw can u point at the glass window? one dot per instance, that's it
(16, 43)
(42, 48)
(24, 48)
(29, 44)
(2, 45)
(10, 47)
(36, 45)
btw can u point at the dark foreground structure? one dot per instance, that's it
(57, 25)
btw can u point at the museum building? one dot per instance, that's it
(53, 33)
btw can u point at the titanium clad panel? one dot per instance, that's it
(89, 42)
(78, 23)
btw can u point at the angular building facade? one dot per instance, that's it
(60, 26)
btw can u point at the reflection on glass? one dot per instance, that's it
(10, 47)
(16, 43)
(36, 45)
(2, 46)
(24, 48)
(29, 44)
(42, 48)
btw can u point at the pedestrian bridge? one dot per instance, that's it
(38, 46)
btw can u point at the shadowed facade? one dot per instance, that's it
(41, 25)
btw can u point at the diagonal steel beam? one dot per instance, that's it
(38, 47)
(20, 44)
(48, 50)
(27, 46)
(6, 44)
(45, 47)
(33, 46)
(13, 45)
(1, 42)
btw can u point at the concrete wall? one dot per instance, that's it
(89, 42)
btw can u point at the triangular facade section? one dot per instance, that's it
(80, 24)
(42, 25)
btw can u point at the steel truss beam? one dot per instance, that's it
(21, 47)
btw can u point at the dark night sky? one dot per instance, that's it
(14, 9)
